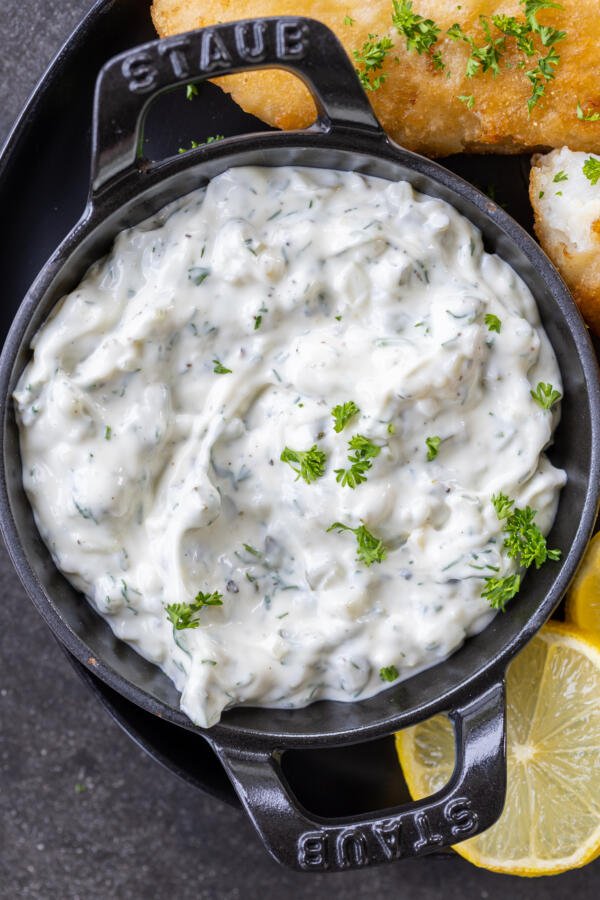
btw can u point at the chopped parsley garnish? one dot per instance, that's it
(540, 195)
(388, 673)
(348, 20)
(587, 116)
(591, 170)
(503, 505)
(342, 413)
(433, 447)
(493, 322)
(391, 428)
(195, 144)
(481, 59)
(257, 322)
(360, 461)
(370, 549)
(524, 32)
(220, 369)
(311, 462)
(185, 615)
(191, 91)
(523, 542)
(545, 395)
(371, 57)
(560, 176)
(498, 591)
(107, 433)
(467, 99)
(519, 30)
(421, 34)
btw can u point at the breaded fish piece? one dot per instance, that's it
(567, 222)
(418, 105)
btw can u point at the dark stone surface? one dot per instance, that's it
(83, 812)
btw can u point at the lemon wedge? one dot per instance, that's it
(551, 818)
(583, 599)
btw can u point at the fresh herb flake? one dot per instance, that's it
(371, 58)
(370, 549)
(591, 170)
(342, 413)
(587, 116)
(545, 395)
(311, 462)
(493, 322)
(433, 447)
(389, 673)
(185, 615)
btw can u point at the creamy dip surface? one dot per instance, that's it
(164, 389)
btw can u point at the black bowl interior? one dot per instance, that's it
(483, 657)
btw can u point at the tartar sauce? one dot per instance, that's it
(163, 390)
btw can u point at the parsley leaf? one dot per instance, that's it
(220, 369)
(493, 322)
(521, 31)
(524, 542)
(348, 20)
(560, 176)
(360, 463)
(195, 144)
(191, 91)
(433, 446)
(485, 58)
(370, 549)
(184, 615)
(342, 413)
(545, 395)
(467, 99)
(498, 591)
(503, 505)
(311, 462)
(421, 34)
(591, 170)
(587, 116)
(371, 57)
(107, 433)
(388, 673)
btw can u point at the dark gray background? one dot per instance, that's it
(83, 812)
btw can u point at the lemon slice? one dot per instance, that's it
(583, 600)
(551, 818)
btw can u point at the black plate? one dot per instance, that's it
(43, 181)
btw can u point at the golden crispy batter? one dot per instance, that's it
(417, 105)
(567, 222)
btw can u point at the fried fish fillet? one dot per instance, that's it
(566, 205)
(418, 105)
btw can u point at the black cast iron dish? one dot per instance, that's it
(469, 686)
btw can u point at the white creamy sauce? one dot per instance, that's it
(153, 477)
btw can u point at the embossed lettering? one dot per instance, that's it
(427, 837)
(312, 850)
(388, 835)
(256, 51)
(214, 54)
(292, 40)
(459, 814)
(175, 52)
(139, 72)
(351, 849)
